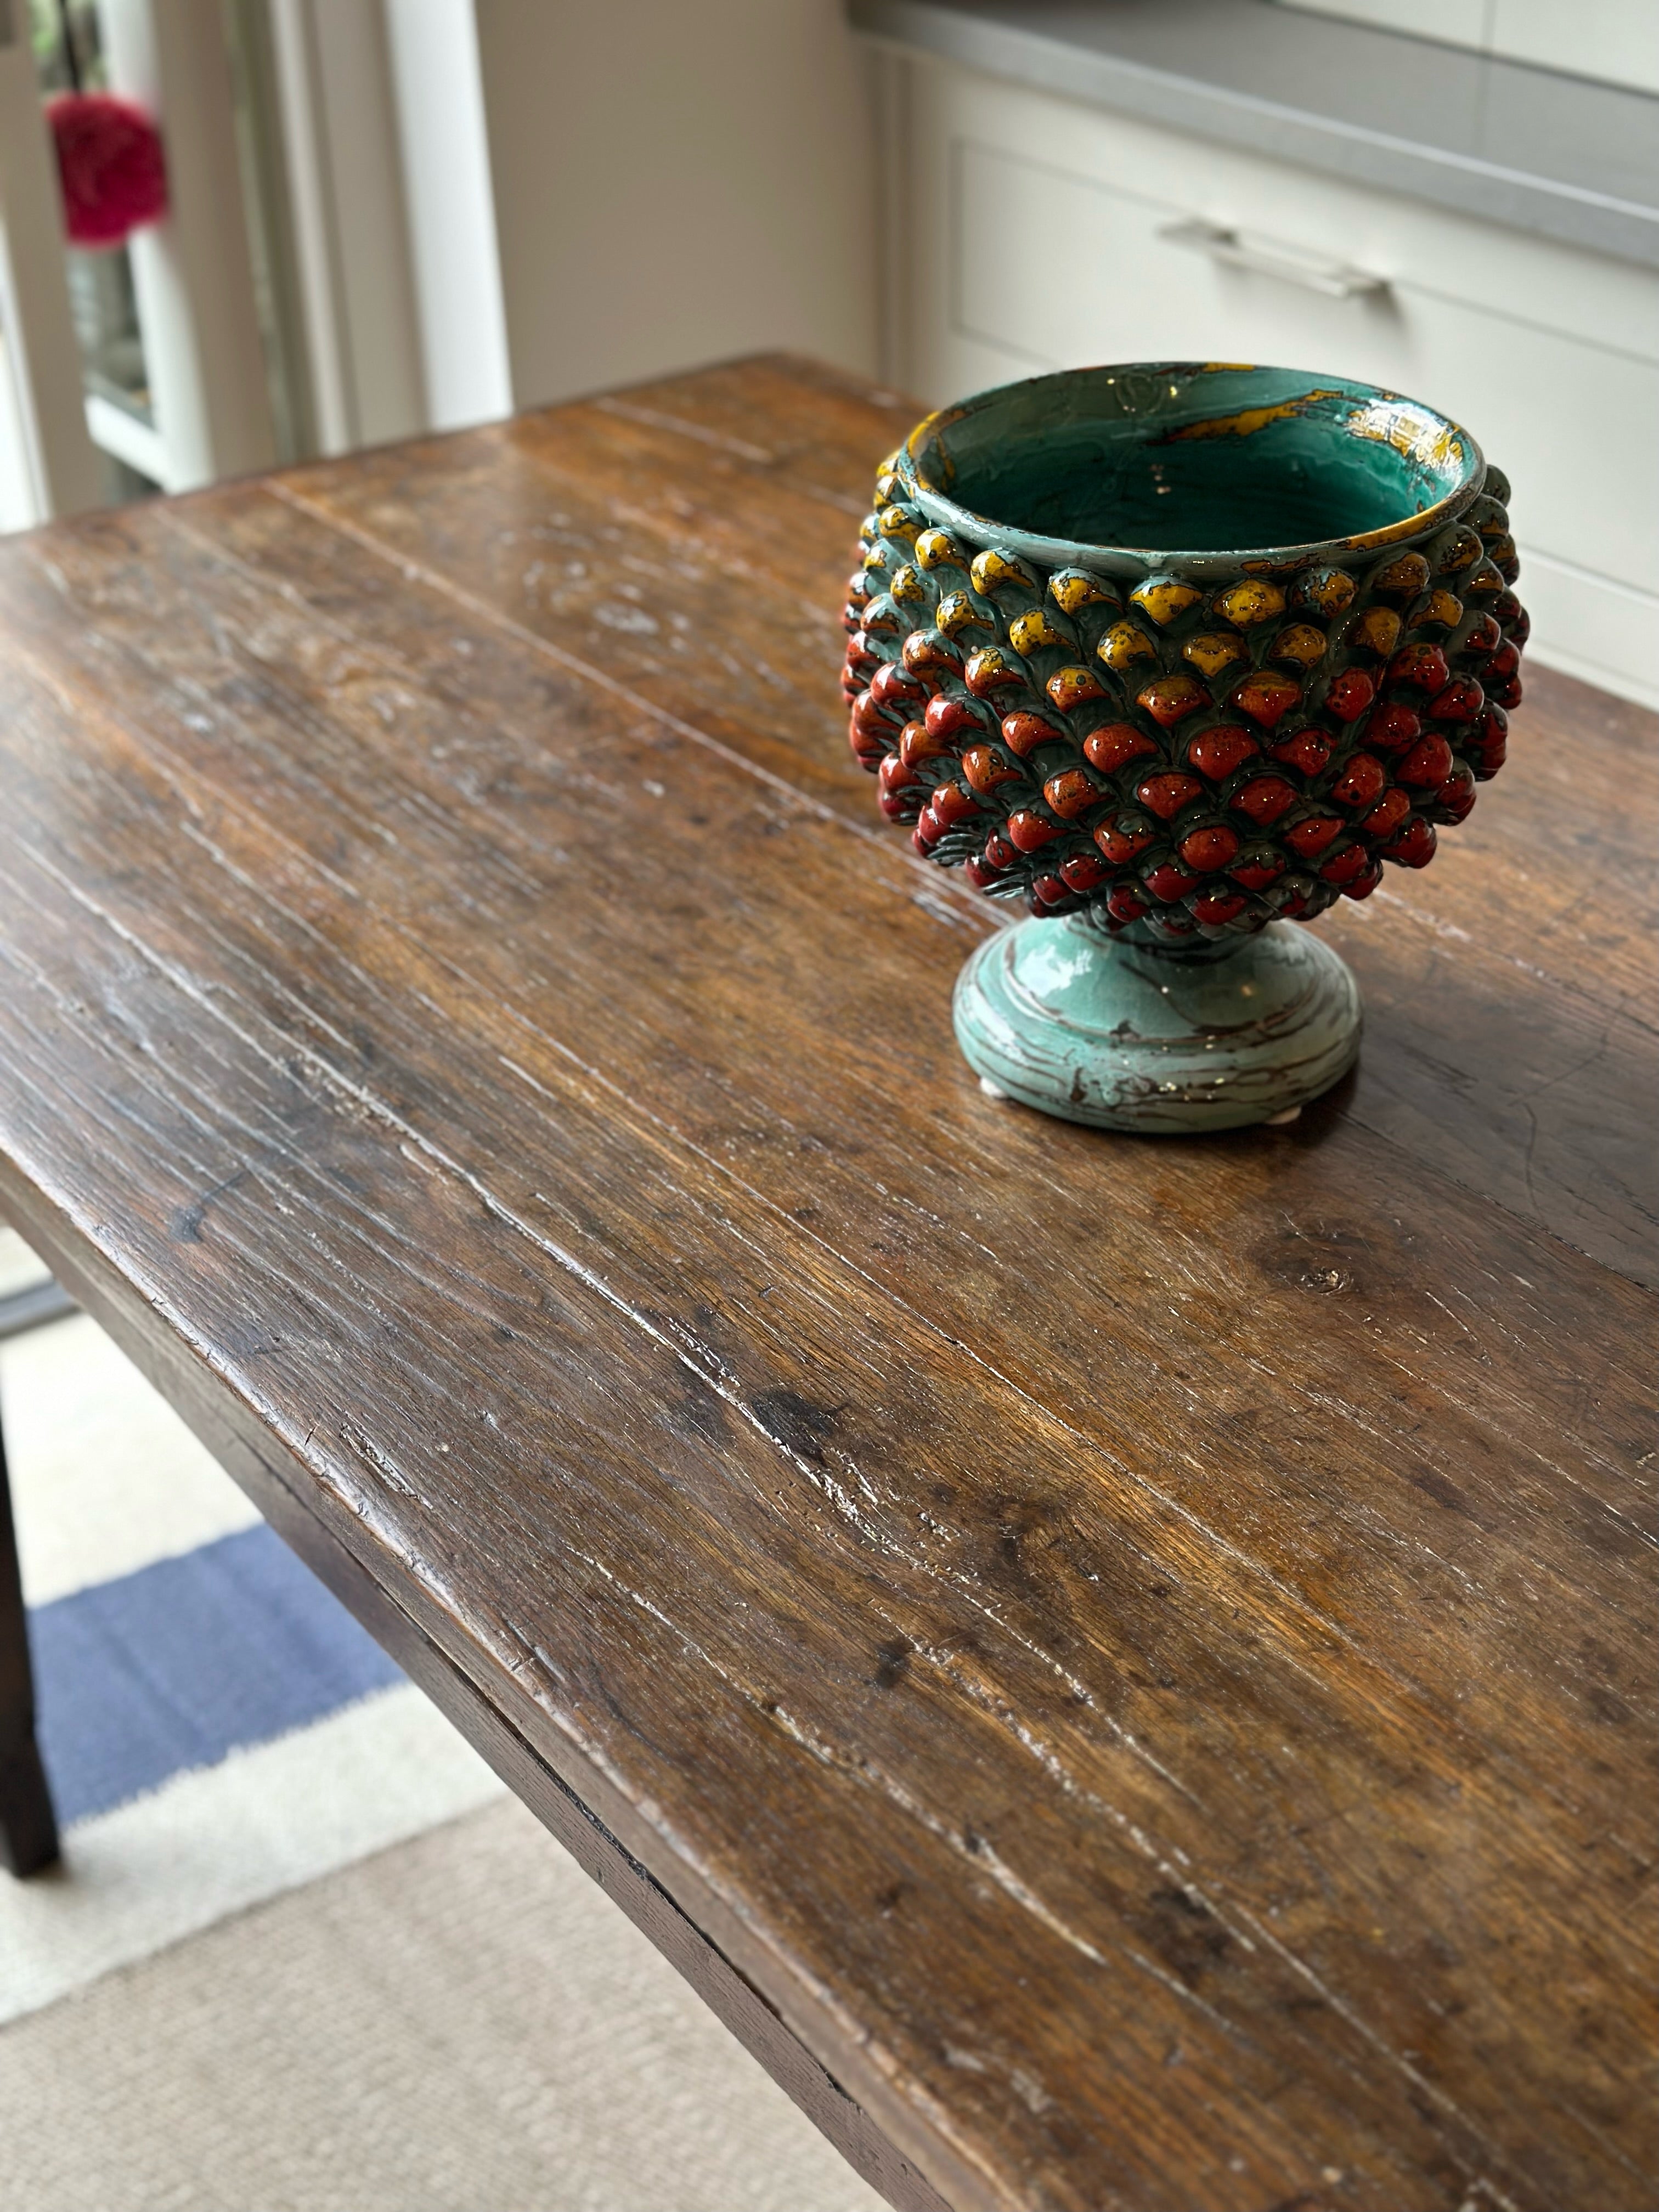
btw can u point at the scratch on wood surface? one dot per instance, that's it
(654, 418)
(433, 580)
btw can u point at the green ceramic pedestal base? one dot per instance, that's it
(1124, 1036)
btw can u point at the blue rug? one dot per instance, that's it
(216, 1729)
(176, 1665)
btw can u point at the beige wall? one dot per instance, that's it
(676, 180)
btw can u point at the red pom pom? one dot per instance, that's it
(111, 164)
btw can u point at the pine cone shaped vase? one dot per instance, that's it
(1176, 655)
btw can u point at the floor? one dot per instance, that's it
(305, 1952)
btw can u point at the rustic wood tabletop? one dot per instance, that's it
(1122, 1668)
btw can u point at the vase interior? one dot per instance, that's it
(1163, 459)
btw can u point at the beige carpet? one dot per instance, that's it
(463, 2023)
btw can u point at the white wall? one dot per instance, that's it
(1618, 40)
(677, 181)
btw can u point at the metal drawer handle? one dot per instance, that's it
(1329, 278)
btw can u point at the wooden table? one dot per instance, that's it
(1120, 1668)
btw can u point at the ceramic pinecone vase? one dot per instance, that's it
(1173, 756)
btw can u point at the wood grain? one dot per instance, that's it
(1132, 1654)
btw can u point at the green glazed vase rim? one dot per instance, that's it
(1420, 432)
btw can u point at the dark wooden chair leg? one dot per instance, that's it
(28, 1827)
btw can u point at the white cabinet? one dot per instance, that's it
(1027, 232)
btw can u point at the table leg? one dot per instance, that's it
(28, 1827)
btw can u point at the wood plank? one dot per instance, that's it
(1131, 1657)
(311, 740)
